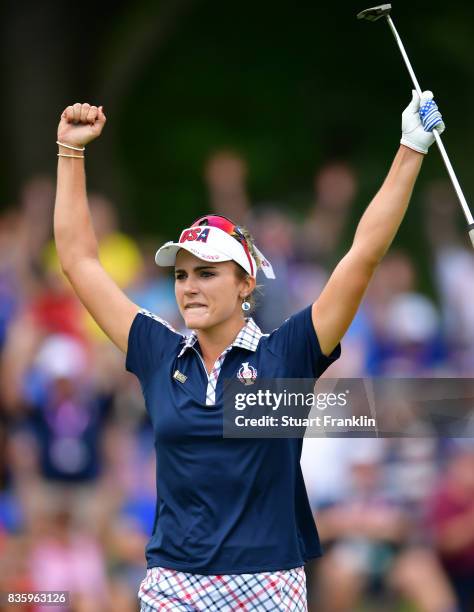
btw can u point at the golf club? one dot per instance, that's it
(383, 10)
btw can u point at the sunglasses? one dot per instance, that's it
(229, 227)
(224, 224)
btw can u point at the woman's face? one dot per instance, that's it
(208, 293)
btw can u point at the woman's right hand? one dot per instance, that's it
(80, 124)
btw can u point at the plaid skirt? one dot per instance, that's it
(173, 591)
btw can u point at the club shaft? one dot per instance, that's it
(439, 142)
(404, 55)
(454, 179)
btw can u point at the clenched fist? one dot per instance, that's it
(80, 124)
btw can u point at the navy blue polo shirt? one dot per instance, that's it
(224, 505)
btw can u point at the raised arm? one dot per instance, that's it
(337, 305)
(76, 242)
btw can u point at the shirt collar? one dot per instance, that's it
(247, 338)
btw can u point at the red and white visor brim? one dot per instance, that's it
(212, 245)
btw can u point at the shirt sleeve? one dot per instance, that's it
(297, 343)
(149, 339)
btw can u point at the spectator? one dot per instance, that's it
(225, 174)
(335, 187)
(368, 540)
(451, 510)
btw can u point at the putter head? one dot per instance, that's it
(375, 13)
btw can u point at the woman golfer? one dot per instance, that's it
(233, 527)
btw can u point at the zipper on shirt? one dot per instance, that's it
(202, 361)
(208, 376)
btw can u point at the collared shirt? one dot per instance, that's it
(224, 505)
(248, 338)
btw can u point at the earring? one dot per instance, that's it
(245, 306)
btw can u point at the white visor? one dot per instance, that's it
(213, 245)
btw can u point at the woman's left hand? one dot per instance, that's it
(419, 119)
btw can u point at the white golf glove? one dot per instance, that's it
(419, 119)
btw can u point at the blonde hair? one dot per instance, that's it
(241, 273)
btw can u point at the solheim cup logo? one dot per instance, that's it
(247, 374)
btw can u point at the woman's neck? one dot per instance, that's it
(215, 340)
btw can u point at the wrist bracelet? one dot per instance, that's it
(75, 156)
(67, 146)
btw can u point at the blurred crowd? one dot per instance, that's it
(77, 491)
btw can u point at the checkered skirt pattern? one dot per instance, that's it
(172, 591)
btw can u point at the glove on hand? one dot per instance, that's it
(419, 119)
